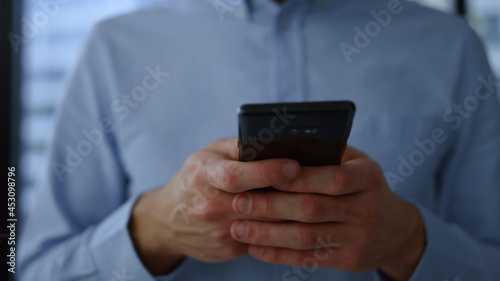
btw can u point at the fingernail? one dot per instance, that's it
(290, 170)
(244, 203)
(242, 229)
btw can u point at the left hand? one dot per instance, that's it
(343, 217)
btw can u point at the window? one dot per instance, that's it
(52, 33)
(443, 5)
(484, 17)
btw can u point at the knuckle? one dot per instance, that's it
(193, 171)
(267, 205)
(198, 158)
(307, 238)
(311, 209)
(195, 157)
(265, 177)
(264, 203)
(370, 214)
(207, 211)
(261, 236)
(194, 180)
(219, 235)
(341, 180)
(218, 142)
(226, 176)
(208, 191)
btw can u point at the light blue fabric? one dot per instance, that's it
(154, 86)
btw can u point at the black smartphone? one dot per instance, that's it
(313, 133)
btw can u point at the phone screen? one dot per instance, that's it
(313, 133)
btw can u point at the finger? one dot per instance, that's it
(351, 153)
(343, 258)
(286, 256)
(227, 147)
(292, 235)
(354, 176)
(199, 205)
(235, 176)
(300, 207)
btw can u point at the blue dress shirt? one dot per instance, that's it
(154, 86)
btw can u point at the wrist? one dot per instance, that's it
(148, 238)
(408, 255)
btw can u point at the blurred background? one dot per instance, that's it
(46, 60)
(49, 34)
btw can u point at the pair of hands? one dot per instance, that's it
(342, 217)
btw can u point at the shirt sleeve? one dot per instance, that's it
(463, 228)
(77, 227)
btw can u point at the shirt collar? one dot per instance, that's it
(250, 10)
(258, 9)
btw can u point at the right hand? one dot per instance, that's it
(192, 214)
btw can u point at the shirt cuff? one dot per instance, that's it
(379, 276)
(182, 267)
(113, 250)
(448, 252)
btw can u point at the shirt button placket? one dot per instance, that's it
(289, 63)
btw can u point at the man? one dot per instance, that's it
(137, 188)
